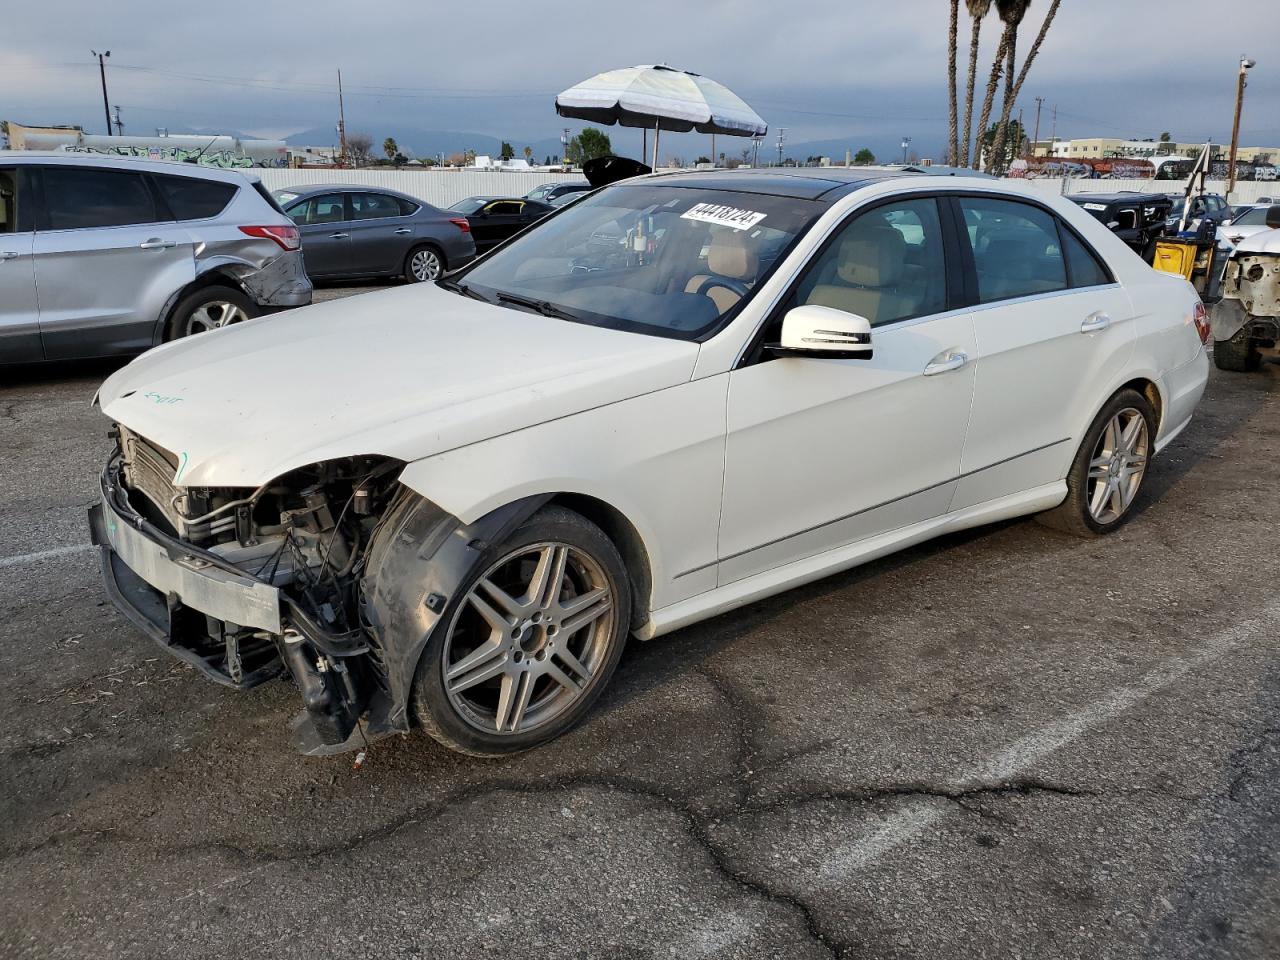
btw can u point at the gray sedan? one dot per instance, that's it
(358, 231)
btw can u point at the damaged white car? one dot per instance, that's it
(1246, 320)
(449, 505)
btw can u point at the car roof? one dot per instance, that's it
(1124, 196)
(802, 183)
(178, 167)
(308, 189)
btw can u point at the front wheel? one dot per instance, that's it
(532, 641)
(1109, 468)
(423, 265)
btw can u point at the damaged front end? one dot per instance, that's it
(1250, 297)
(246, 584)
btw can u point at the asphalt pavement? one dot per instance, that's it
(1007, 743)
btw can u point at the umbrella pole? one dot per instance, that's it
(644, 142)
(657, 129)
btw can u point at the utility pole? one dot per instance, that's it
(1245, 65)
(102, 71)
(1036, 140)
(1053, 130)
(119, 123)
(342, 122)
(564, 149)
(782, 136)
(906, 142)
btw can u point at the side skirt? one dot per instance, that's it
(799, 572)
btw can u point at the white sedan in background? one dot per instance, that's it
(449, 505)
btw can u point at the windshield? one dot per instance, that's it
(283, 196)
(470, 205)
(1256, 217)
(662, 260)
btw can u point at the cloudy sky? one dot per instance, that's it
(865, 72)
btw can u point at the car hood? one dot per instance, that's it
(1262, 241)
(403, 373)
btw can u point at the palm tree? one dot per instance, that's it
(951, 81)
(1011, 13)
(1011, 86)
(977, 10)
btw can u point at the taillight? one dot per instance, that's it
(287, 237)
(461, 223)
(1201, 318)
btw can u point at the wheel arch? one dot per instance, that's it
(1145, 383)
(218, 275)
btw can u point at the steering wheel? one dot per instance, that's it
(735, 286)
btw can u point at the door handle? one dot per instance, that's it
(953, 360)
(405, 230)
(339, 236)
(1095, 322)
(8, 255)
(155, 243)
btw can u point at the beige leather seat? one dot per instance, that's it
(870, 264)
(728, 256)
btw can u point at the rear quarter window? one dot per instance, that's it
(192, 199)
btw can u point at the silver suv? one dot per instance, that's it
(103, 257)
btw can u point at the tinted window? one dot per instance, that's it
(1015, 248)
(885, 265)
(504, 208)
(470, 205)
(407, 208)
(1084, 266)
(191, 199)
(1257, 217)
(328, 208)
(8, 201)
(84, 197)
(373, 206)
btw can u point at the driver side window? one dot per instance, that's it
(886, 264)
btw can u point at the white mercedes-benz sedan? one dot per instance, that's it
(450, 504)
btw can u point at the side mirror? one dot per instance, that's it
(1273, 217)
(823, 332)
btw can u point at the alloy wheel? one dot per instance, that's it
(1118, 465)
(212, 315)
(529, 638)
(425, 265)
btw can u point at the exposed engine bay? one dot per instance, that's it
(307, 534)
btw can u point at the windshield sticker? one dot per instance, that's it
(723, 216)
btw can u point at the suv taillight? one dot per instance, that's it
(287, 237)
(1201, 319)
(461, 223)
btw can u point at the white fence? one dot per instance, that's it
(440, 188)
(443, 188)
(1246, 192)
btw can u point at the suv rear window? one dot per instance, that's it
(192, 199)
(78, 197)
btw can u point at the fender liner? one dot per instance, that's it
(416, 563)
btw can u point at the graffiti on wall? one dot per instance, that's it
(225, 159)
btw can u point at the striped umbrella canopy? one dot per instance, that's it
(660, 98)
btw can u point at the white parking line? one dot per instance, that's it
(44, 554)
(908, 823)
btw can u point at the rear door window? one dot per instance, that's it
(79, 197)
(373, 206)
(1016, 250)
(192, 199)
(8, 200)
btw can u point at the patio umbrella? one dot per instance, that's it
(660, 98)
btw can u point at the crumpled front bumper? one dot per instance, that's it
(149, 575)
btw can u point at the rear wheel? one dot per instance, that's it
(1239, 354)
(423, 265)
(1109, 468)
(532, 641)
(208, 309)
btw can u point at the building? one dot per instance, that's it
(1097, 148)
(212, 151)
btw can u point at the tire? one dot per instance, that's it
(206, 309)
(490, 691)
(1239, 354)
(1100, 458)
(423, 264)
